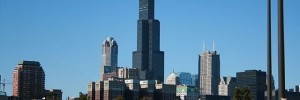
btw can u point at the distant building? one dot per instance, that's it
(147, 88)
(109, 55)
(255, 80)
(29, 80)
(297, 88)
(165, 92)
(214, 97)
(187, 92)
(148, 58)
(3, 96)
(99, 90)
(132, 89)
(195, 80)
(110, 72)
(128, 73)
(113, 88)
(173, 79)
(53, 94)
(91, 91)
(227, 86)
(185, 78)
(209, 72)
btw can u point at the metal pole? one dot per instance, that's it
(269, 53)
(281, 63)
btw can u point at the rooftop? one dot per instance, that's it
(32, 63)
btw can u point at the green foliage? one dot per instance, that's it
(237, 94)
(146, 98)
(83, 96)
(119, 98)
(242, 94)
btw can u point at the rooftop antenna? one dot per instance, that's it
(203, 46)
(214, 46)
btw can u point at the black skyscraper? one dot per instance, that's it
(148, 58)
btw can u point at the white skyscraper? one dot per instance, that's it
(109, 55)
(209, 72)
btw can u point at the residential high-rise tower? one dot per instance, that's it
(29, 80)
(148, 58)
(109, 55)
(209, 72)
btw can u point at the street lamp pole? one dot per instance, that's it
(269, 53)
(281, 60)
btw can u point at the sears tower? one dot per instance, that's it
(148, 58)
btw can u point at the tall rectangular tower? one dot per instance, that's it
(29, 80)
(209, 72)
(148, 58)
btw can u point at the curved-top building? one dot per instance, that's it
(109, 54)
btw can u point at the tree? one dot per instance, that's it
(237, 94)
(242, 94)
(83, 96)
(246, 94)
(119, 98)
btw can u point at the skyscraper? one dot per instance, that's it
(109, 55)
(29, 80)
(209, 72)
(148, 58)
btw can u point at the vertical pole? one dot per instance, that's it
(269, 53)
(281, 63)
(0, 83)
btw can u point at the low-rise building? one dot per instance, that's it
(132, 89)
(187, 92)
(113, 88)
(53, 94)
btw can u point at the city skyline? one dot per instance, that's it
(67, 38)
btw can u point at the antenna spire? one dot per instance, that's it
(203, 46)
(214, 46)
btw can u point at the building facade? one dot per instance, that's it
(148, 58)
(128, 73)
(185, 78)
(227, 86)
(29, 80)
(187, 92)
(132, 89)
(165, 92)
(195, 80)
(209, 72)
(99, 90)
(109, 55)
(255, 80)
(91, 90)
(53, 94)
(113, 88)
(173, 79)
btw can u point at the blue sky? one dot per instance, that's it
(65, 36)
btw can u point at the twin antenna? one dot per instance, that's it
(213, 46)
